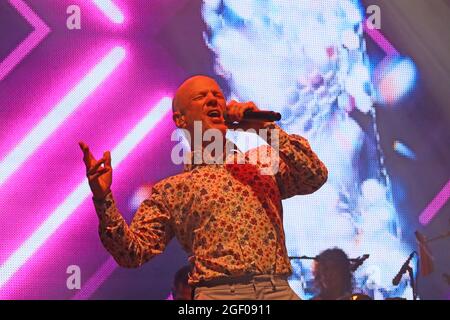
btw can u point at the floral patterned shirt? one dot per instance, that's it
(227, 217)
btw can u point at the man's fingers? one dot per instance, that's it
(97, 174)
(233, 111)
(107, 157)
(236, 110)
(95, 167)
(252, 106)
(247, 106)
(82, 145)
(88, 158)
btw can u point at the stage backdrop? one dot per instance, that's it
(364, 82)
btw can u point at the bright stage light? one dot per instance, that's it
(36, 137)
(110, 10)
(81, 192)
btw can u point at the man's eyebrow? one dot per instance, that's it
(198, 92)
(204, 92)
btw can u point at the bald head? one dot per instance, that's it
(189, 86)
(194, 100)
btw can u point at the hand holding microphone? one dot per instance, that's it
(246, 115)
(259, 115)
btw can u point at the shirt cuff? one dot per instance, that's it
(102, 205)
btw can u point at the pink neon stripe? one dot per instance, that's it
(96, 280)
(30, 42)
(435, 205)
(380, 40)
(29, 14)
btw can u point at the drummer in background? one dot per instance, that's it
(181, 290)
(332, 275)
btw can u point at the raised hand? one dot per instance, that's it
(98, 172)
(235, 116)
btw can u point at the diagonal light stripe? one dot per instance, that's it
(81, 192)
(41, 30)
(110, 10)
(62, 110)
(380, 40)
(435, 205)
(96, 280)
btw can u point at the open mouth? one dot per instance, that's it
(214, 114)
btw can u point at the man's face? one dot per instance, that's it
(201, 99)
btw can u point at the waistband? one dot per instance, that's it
(246, 279)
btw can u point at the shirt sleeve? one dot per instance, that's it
(300, 170)
(146, 236)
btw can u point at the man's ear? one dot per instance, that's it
(179, 120)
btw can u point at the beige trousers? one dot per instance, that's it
(259, 287)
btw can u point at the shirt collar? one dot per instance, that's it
(199, 158)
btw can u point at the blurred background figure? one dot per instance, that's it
(333, 277)
(181, 290)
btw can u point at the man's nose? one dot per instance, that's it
(212, 101)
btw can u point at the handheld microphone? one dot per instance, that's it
(260, 115)
(403, 269)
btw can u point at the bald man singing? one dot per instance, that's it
(227, 216)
